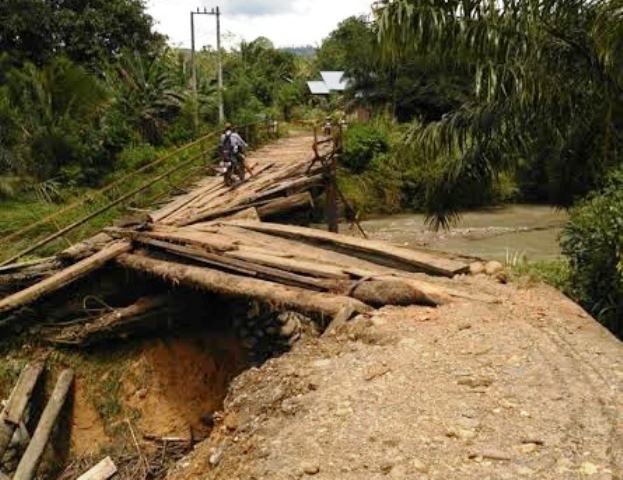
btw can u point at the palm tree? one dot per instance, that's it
(547, 87)
(52, 110)
(147, 92)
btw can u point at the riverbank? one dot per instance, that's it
(528, 232)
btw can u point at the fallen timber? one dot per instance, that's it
(198, 240)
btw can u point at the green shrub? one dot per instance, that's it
(134, 157)
(361, 144)
(593, 241)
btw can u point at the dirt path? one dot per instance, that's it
(527, 388)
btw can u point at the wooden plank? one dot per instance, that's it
(29, 462)
(294, 298)
(317, 269)
(16, 405)
(63, 278)
(102, 471)
(204, 240)
(374, 250)
(243, 267)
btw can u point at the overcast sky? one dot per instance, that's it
(285, 22)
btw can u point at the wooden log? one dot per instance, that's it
(37, 264)
(86, 248)
(297, 185)
(285, 204)
(29, 462)
(63, 278)
(108, 325)
(379, 293)
(184, 200)
(16, 405)
(16, 280)
(293, 298)
(246, 214)
(378, 252)
(102, 471)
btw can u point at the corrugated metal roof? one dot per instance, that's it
(334, 80)
(318, 88)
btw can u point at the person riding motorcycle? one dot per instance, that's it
(232, 150)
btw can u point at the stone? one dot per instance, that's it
(589, 468)
(217, 455)
(418, 465)
(310, 468)
(289, 328)
(528, 447)
(387, 466)
(493, 267)
(476, 268)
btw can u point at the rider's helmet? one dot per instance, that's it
(228, 127)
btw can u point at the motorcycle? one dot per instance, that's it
(233, 166)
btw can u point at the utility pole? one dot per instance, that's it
(221, 109)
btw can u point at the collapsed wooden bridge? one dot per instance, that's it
(216, 239)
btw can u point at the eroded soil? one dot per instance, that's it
(530, 387)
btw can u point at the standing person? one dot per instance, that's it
(328, 126)
(232, 148)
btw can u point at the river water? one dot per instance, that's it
(502, 233)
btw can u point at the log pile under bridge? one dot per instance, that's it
(214, 239)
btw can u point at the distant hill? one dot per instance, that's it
(304, 51)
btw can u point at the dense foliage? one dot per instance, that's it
(546, 102)
(593, 241)
(87, 32)
(86, 90)
(362, 143)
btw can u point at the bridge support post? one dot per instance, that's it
(331, 206)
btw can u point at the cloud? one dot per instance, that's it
(257, 7)
(285, 22)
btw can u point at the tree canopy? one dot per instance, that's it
(546, 89)
(85, 31)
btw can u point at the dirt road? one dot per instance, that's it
(527, 388)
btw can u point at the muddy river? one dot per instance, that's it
(501, 233)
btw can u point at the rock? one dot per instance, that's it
(501, 277)
(418, 465)
(528, 447)
(310, 468)
(491, 454)
(589, 468)
(142, 393)
(387, 467)
(272, 330)
(217, 455)
(289, 328)
(493, 267)
(476, 268)
(465, 326)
